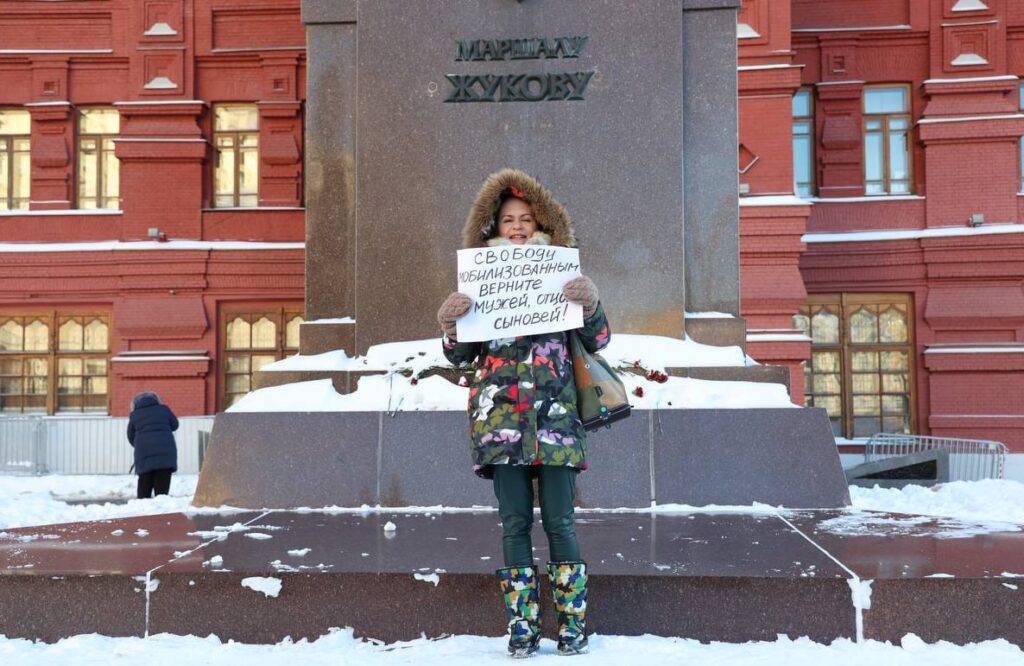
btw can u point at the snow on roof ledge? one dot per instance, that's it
(911, 234)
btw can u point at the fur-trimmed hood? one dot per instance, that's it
(551, 216)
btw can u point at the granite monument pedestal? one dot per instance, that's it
(627, 113)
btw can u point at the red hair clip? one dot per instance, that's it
(517, 193)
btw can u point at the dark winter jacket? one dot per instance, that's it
(150, 429)
(522, 399)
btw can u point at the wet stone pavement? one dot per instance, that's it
(710, 576)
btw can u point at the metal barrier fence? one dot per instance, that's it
(85, 444)
(969, 459)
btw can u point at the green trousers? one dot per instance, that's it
(513, 486)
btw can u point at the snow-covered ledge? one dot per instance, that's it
(400, 384)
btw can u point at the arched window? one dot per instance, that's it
(861, 369)
(54, 362)
(252, 338)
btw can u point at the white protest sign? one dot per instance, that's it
(517, 290)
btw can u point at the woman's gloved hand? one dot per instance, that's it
(582, 291)
(455, 306)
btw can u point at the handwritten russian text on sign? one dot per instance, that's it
(517, 290)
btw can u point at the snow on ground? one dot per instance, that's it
(964, 509)
(987, 500)
(30, 501)
(40, 500)
(341, 648)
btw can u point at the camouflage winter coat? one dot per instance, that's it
(522, 399)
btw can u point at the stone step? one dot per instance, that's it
(706, 576)
(776, 456)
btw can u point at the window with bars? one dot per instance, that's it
(803, 143)
(236, 141)
(15, 164)
(54, 363)
(253, 338)
(862, 363)
(887, 166)
(99, 171)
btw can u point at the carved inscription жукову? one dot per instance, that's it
(549, 86)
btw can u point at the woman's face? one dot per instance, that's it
(515, 221)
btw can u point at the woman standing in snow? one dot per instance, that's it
(523, 414)
(150, 431)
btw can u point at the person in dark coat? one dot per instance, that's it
(151, 427)
(524, 420)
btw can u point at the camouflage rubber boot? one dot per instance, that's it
(522, 601)
(569, 586)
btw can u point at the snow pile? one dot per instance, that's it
(985, 501)
(651, 351)
(955, 510)
(687, 393)
(656, 352)
(37, 500)
(341, 647)
(376, 393)
(412, 355)
(394, 392)
(400, 388)
(330, 361)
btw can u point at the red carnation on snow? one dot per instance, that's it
(639, 391)
(655, 376)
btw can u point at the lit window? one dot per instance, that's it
(15, 166)
(253, 339)
(99, 171)
(887, 140)
(803, 143)
(54, 363)
(861, 363)
(236, 141)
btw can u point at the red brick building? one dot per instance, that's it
(163, 139)
(151, 219)
(901, 120)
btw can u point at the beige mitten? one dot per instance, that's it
(582, 291)
(453, 307)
